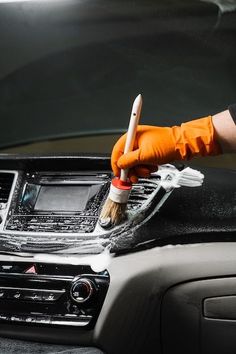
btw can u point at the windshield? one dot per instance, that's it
(70, 69)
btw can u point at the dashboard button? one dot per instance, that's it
(51, 296)
(16, 318)
(30, 319)
(2, 294)
(82, 290)
(17, 295)
(32, 296)
(43, 319)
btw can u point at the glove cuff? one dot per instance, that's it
(196, 138)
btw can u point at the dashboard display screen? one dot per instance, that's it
(62, 198)
(57, 198)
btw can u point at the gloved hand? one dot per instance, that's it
(159, 145)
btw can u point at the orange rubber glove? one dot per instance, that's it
(157, 145)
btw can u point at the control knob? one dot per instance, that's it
(82, 290)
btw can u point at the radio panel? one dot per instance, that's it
(58, 203)
(70, 203)
(57, 211)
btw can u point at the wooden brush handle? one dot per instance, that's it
(131, 133)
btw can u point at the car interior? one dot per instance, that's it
(164, 279)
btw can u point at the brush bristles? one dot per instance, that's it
(114, 211)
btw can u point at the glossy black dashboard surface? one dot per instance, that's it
(192, 215)
(123, 314)
(189, 215)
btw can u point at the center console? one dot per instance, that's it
(51, 294)
(38, 205)
(66, 279)
(49, 212)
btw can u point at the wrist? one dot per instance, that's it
(196, 138)
(225, 130)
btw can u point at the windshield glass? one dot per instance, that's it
(70, 69)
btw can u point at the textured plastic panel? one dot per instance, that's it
(185, 327)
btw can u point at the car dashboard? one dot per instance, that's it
(164, 280)
(64, 278)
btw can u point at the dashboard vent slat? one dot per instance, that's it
(6, 180)
(140, 193)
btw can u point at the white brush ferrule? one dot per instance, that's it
(118, 195)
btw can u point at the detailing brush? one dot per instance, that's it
(171, 177)
(113, 211)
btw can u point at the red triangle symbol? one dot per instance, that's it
(31, 270)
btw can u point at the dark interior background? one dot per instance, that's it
(71, 68)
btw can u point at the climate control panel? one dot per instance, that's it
(43, 293)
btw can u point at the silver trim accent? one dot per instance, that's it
(71, 323)
(30, 289)
(33, 319)
(4, 211)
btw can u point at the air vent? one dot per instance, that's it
(140, 193)
(6, 180)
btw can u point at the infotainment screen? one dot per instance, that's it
(58, 202)
(62, 198)
(58, 198)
